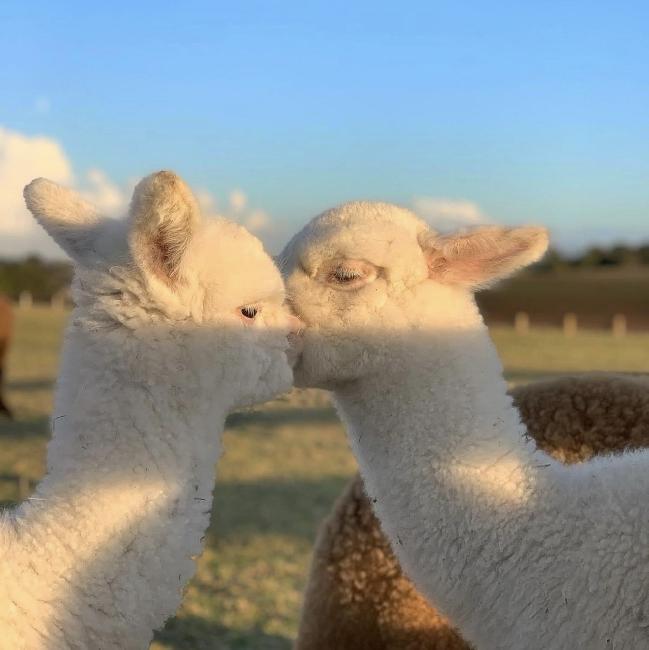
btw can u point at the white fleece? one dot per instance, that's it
(520, 551)
(99, 556)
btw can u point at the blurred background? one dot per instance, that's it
(467, 113)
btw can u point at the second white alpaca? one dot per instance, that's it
(177, 321)
(518, 550)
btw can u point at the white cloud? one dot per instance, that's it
(257, 221)
(23, 158)
(206, 202)
(449, 214)
(102, 192)
(238, 200)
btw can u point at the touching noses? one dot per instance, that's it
(295, 325)
(294, 338)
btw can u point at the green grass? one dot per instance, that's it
(546, 352)
(283, 467)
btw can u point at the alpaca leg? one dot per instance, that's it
(4, 409)
(6, 327)
(357, 598)
(356, 589)
(338, 609)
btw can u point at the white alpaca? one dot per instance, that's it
(520, 551)
(178, 320)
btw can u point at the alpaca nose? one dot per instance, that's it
(295, 325)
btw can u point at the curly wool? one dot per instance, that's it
(518, 549)
(357, 597)
(156, 354)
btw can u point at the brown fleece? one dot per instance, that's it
(358, 599)
(6, 328)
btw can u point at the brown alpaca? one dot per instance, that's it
(6, 327)
(358, 599)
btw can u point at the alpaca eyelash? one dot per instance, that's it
(249, 311)
(345, 275)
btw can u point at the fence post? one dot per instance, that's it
(570, 324)
(25, 299)
(57, 301)
(619, 326)
(521, 322)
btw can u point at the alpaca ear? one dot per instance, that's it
(164, 216)
(73, 223)
(479, 257)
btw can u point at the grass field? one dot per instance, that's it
(284, 465)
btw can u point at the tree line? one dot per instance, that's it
(596, 256)
(43, 278)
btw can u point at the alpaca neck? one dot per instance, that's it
(448, 402)
(443, 456)
(110, 532)
(518, 550)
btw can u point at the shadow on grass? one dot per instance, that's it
(528, 376)
(46, 383)
(194, 633)
(291, 415)
(14, 478)
(293, 508)
(25, 427)
(16, 485)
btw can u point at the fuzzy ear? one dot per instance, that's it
(72, 222)
(480, 257)
(164, 216)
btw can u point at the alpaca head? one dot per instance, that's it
(168, 274)
(365, 276)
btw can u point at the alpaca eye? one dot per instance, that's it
(249, 312)
(347, 274)
(344, 275)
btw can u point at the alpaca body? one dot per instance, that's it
(116, 502)
(167, 337)
(357, 597)
(516, 549)
(355, 579)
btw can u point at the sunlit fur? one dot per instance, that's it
(156, 354)
(357, 597)
(517, 549)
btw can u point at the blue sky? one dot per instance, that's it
(531, 111)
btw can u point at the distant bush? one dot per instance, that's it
(41, 278)
(596, 256)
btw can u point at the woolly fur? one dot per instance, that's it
(517, 549)
(156, 354)
(357, 597)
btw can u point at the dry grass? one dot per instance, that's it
(284, 465)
